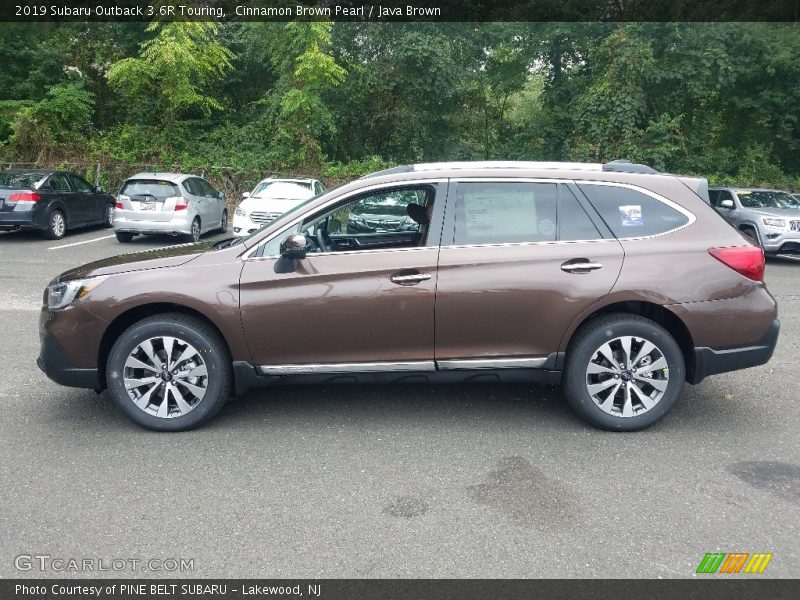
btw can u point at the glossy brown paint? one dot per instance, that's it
(515, 298)
(504, 300)
(340, 307)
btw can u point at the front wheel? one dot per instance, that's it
(623, 372)
(109, 218)
(123, 237)
(223, 224)
(169, 372)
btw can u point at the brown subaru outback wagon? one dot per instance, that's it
(617, 281)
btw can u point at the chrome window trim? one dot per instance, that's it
(684, 211)
(491, 363)
(356, 367)
(337, 199)
(513, 244)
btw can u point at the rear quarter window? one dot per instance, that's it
(631, 213)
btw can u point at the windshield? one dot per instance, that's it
(20, 181)
(764, 199)
(290, 190)
(149, 187)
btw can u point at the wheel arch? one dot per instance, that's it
(135, 314)
(655, 312)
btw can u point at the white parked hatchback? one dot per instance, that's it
(168, 203)
(269, 200)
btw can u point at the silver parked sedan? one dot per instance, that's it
(168, 203)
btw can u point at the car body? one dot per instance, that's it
(770, 217)
(270, 199)
(51, 202)
(168, 203)
(619, 282)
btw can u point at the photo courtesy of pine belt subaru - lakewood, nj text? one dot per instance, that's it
(614, 280)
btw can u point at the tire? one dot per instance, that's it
(194, 236)
(197, 349)
(124, 238)
(752, 234)
(56, 225)
(223, 226)
(608, 408)
(109, 218)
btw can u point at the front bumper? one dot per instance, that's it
(65, 337)
(243, 226)
(780, 241)
(708, 361)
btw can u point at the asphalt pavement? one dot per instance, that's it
(389, 481)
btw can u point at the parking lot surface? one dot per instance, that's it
(387, 481)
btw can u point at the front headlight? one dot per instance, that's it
(65, 293)
(779, 223)
(240, 212)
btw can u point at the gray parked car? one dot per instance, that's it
(770, 217)
(168, 203)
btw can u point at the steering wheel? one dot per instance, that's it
(324, 241)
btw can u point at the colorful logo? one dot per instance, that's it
(734, 562)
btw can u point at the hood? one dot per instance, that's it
(781, 213)
(279, 205)
(171, 256)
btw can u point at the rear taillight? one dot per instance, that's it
(181, 204)
(25, 198)
(118, 204)
(745, 260)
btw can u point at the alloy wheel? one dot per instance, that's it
(627, 376)
(57, 224)
(165, 376)
(110, 215)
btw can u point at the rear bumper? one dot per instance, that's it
(26, 219)
(182, 224)
(708, 361)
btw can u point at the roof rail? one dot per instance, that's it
(625, 166)
(619, 166)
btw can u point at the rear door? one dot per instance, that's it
(77, 211)
(520, 259)
(195, 187)
(215, 203)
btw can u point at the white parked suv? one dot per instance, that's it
(168, 203)
(269, 200)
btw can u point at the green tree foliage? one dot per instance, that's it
(340, 99)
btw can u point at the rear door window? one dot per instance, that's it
(505, 212)
(60, 183)
(631, 213)
(573, 222)
(150, 188)
(80, 184)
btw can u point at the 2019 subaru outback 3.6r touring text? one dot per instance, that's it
(619, 282)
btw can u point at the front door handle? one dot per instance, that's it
(409, 278)
(580, 266)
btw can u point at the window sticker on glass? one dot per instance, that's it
(631, 215)
(509, 212)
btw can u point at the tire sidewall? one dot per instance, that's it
(213, 355)
(109, 216)
(580, 355)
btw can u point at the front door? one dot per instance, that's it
(362, 299)
(521, 260)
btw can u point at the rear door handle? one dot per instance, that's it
(584, 266)
(409, 278)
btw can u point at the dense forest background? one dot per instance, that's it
(240, 100)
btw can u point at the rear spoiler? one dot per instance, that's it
(699, 185)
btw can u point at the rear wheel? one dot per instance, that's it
(194, 235)
(109, 220)
(56, 225)
(623, 372)
(169, 372)
(123, 237)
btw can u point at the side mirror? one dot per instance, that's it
(221, 195)
(99, 190)
(726, 204)
(294, 247)
(245, 194)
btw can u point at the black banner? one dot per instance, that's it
(382, 589)
(400, 10)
